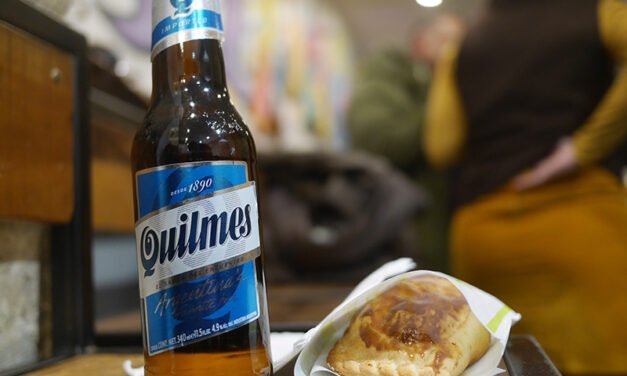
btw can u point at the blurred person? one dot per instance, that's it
(530, 112)
(391, 90)
(386, 117)
(429, 42)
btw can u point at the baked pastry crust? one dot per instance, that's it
(421, 326)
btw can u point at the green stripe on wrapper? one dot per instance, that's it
(496, 321)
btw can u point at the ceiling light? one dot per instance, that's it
(429, 3)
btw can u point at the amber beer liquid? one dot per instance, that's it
(197, 225)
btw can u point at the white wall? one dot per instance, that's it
(377, 23)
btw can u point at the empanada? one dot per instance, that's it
(420, 326)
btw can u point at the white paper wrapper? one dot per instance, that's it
(491, 312)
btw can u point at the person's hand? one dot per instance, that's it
(561, 162)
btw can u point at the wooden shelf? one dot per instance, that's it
(37, 128)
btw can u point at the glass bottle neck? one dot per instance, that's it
(195, 62)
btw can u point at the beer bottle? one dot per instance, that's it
(197, 225)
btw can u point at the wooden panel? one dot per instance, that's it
(112, 196)
(304, 303)
(111, 175)
(36, 128)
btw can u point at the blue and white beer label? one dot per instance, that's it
(197, 241)
(177, 21)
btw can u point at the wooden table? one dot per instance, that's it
(523, 357)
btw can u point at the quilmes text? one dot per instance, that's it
(192, 235)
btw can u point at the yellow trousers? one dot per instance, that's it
(558, 255)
